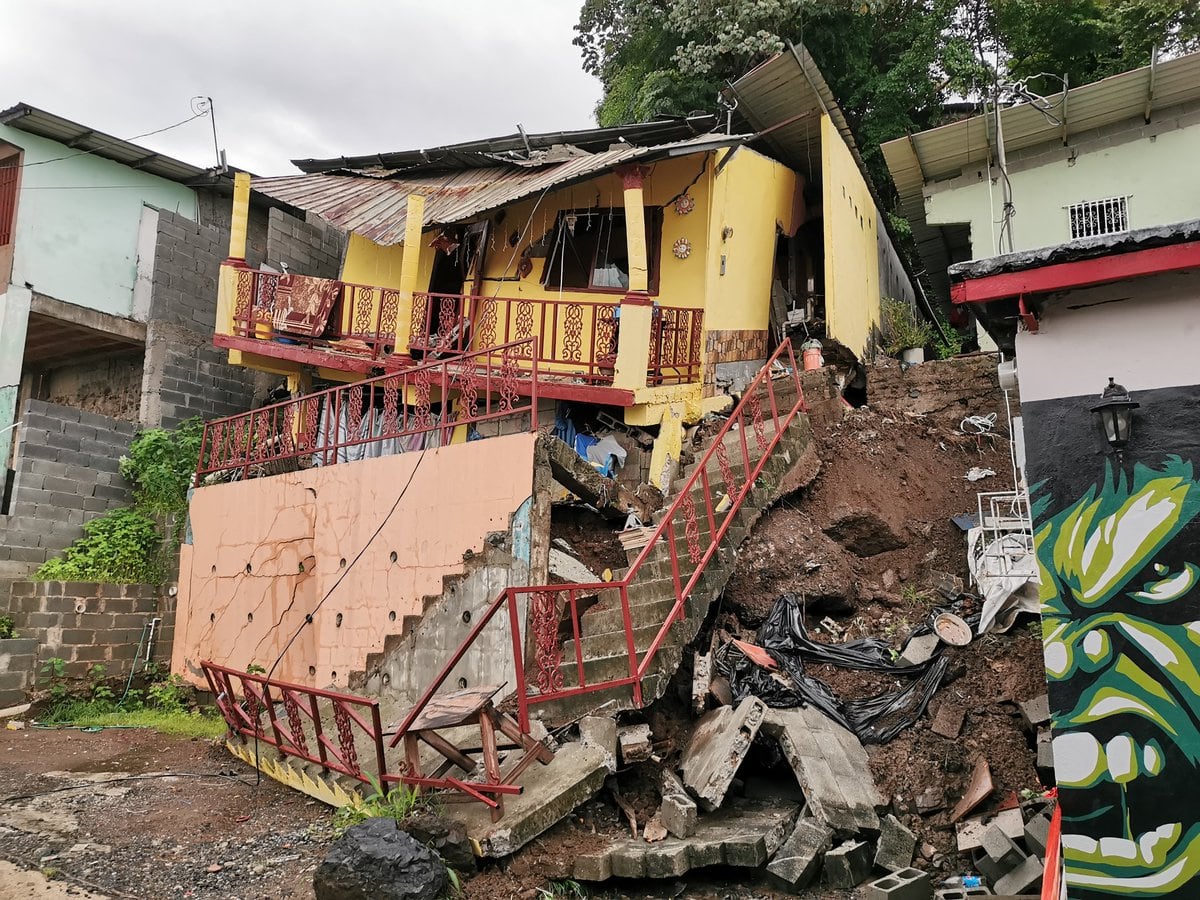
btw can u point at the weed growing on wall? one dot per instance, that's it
(138, 545)
(6, 628)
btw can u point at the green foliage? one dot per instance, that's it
(120, 547)
(55, 669)
(902, 329)
(171, 694)
(396, 802)
(200, 723)
(128, 545)
(6, 628)
(947, 342)
(564, 888)
(255, 669)
(97, 686)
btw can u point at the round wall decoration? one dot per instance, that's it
(684, 204)
(682, 248)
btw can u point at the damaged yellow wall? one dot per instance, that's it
(851, 246)
(265, 552)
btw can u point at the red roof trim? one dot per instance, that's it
(1078, 273)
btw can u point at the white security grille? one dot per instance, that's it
(1094, 217)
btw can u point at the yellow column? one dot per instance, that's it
(637, 310)
(240, 217)
(409, 265)
(227, 278)
(664, 458)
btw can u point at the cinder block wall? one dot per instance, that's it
(308, 248)
(66, 473)
(87, 624)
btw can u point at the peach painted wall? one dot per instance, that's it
(264, 552)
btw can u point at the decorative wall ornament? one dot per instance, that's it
(682, 248)
(684, 204)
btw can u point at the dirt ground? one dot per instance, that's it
(154, 837)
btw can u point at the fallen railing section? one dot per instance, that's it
(394, 412)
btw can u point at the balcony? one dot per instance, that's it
(357, 328)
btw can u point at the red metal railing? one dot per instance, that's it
(689, 549)
(575, 337)
(302, 729)
(325, 426)
(361, 313)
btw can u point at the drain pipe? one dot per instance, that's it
(154, 623)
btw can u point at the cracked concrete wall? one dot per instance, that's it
(266, 553)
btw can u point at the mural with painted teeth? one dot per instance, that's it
(1119, 560)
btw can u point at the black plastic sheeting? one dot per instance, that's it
(875, 720)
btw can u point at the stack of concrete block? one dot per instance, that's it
(1011, 868)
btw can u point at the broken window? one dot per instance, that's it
(590, 251)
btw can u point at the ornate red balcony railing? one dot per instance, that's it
(358, 318)
(575, 338)
(406, 410)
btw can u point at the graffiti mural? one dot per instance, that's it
(1119, 562)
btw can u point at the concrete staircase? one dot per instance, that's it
(652, 592)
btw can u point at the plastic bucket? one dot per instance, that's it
(811, 355)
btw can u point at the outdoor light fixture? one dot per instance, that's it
(1114, 414)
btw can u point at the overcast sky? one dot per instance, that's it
(293, 79)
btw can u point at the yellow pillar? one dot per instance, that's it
(414, 222)
(227, 278)
(637, 309)
(664, 458)
(239, 220)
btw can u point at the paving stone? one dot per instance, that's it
(903, 884)
(831, 767)
(1024, 879)
(678, 811)
(1037, 834)
(848, 865)
(601, 732)
(798, 861)
(919, 650)
(634, 741)
(896, 845)
(719, 743)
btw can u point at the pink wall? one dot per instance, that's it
(265, 552)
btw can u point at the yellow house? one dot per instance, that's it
(656, 265)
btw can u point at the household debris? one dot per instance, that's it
(978, 473)
(634, 743)
(678, 811)
(796, 864)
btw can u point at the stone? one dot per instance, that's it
(448, 838)
(375, 860)
(863, 532)
(931, 800)
(896, 845)
(654, 830)
(798, 860)
(1035, 712)
(949, 720)
(634, 741)
(919, 650)
(1023, 879)
(848, 865)
(601, 732)
(1037, 834)
(678, 811)
(719, 743)
(903, 884)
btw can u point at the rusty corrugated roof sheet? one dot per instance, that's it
(375, 207)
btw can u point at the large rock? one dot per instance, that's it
(863, 532)
(375, 860)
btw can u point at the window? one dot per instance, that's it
(1094, 217)
(590, 251)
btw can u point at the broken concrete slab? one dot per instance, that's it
(600, 732)
(578, 476)
(743, 833)
(896, 845)
(903, 884)
(569, 569)
(799, 859)
(831, 766)
(678, 811)
(718, 745)
(848, 865)
(634, 742)
(701, 678)
(550, 794)
(919, 649)
(949, 720)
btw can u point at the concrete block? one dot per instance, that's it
(848, 865)
(634, 741)
(960, 893)
(600, 732)
(896, 845)
(678, 812)
(1024, 879)
(719, 743)
(1000, 848)
(1035, 712)
(1037, 834)
(903, 884)
(798, 861)
(919, 650)
(993, 872)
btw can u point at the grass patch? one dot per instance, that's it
(84, 713)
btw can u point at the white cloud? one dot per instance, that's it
(299, 78)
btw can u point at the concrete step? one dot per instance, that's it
(608, 668)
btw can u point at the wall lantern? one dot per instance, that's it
(1114, 415)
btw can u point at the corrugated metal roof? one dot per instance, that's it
(944, 152)
(375, 207)
(87, 140)
(514, 147)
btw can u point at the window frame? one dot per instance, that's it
(654, 221)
